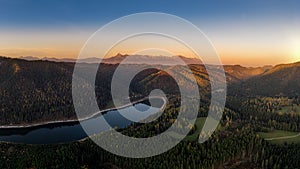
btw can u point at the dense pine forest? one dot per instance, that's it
(39, 91)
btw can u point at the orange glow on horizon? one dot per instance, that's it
(63, 44)
(228, 58)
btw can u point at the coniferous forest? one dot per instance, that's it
(257, 129)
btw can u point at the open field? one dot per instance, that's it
(199, 124)
(290, 109)
(281, 136)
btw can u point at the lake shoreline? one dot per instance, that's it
(77, 120)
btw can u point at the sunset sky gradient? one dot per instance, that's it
(250, 33)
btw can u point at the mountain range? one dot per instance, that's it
(245, 77)
(133, 59)
(39, 86)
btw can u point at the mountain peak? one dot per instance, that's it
(120, 55)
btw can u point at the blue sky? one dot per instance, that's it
(32, 13)
(230, 24)
(46, 13)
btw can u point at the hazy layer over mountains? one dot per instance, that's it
(134, 59)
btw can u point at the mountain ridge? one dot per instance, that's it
(117, 59)
(280, 80)
(39, 86)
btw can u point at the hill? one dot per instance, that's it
(283, 79)
(40, 90)
(236, 72)
(36, 91)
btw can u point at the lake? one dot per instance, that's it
(64, 132)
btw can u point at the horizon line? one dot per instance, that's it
(35, 58)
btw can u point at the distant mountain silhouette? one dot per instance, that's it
(155, 60)
(132, 59)
(29, 58)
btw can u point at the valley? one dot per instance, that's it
(255, 129)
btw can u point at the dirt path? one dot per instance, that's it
(281, 138)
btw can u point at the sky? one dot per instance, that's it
(249, 32)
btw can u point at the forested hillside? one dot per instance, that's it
(281, 80)
(38, 91)
(33, 91)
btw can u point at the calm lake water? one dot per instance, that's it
(72, 131)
